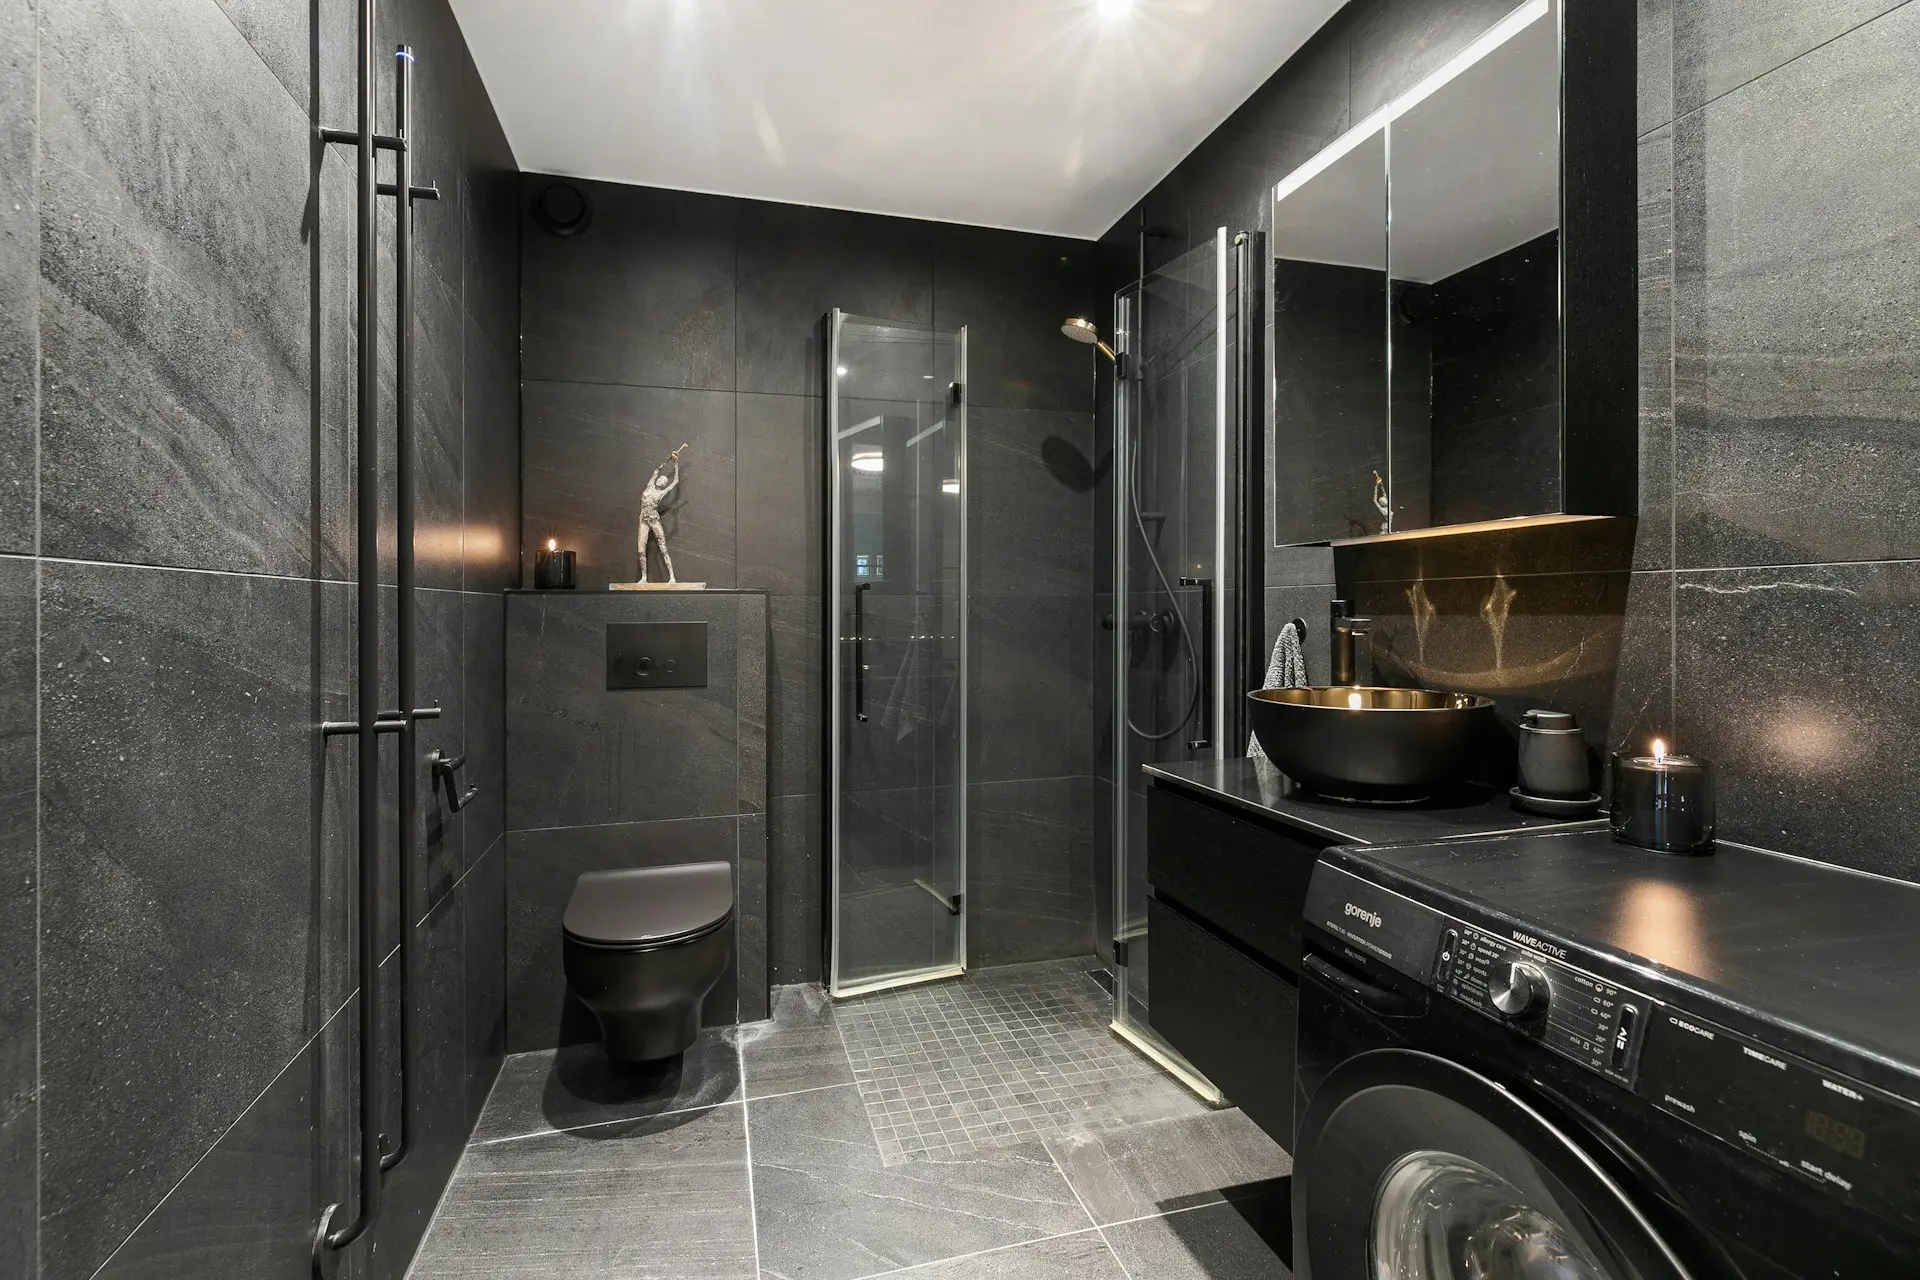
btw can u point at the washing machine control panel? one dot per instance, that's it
(1519, 981)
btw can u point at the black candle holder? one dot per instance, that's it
(1662, 802)
(553, 570)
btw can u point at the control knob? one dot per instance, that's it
(1518, 989)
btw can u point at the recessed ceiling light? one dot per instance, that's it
(869, 460)
(1115, 8)
(841, 371)
(949, 486)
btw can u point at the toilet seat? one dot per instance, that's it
(640, 908)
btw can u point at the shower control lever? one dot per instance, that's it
(445, 771)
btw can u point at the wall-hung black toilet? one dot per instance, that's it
(643, 948)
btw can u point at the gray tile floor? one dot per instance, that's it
(761, 1155)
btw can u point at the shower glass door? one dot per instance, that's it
(897, 547)
(1170, 631)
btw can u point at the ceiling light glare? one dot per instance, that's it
(869, 460)
(949, 486)
(1115, 8)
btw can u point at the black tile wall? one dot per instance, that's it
(176, 1082)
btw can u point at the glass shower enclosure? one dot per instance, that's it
(897, 656)
(1172, 653)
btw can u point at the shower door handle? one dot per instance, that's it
(1207, 674)
(860, 651)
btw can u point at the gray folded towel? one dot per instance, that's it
(1286, 670)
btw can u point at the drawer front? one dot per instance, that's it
(1246, 880)
(1233, 1019)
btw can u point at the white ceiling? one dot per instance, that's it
(1040, 115)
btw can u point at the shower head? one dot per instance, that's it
(1085, 331)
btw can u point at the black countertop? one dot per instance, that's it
(1830, 951)
(1258, 788)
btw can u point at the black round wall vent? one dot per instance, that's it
(562, 209)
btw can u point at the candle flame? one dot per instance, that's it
(553, 544)
(1353, 701)
(1659, 751)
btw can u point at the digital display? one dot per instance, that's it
(1844, 1138)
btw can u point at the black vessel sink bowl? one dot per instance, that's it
(1370, 745)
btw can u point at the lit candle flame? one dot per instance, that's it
(1659, 751)
(1353, 701)
(553, 544)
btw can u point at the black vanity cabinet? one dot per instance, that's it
(1230, 847)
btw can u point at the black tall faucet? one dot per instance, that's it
(1346, 629)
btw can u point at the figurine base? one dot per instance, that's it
(656, 586)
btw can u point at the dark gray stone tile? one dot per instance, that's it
(752, 666)
(1011, 291)
(439, 446)
(1796, 683)
(1247, 1238)
(580, 754)
(1167, 1164)
(1029, 870)
(491, 533)
(1032, 688)
(1398, 43)
(441, 124)
(1030, 485)
(798, 1049)
(827, 1208)
(483, 686)
(308, 47)
(797, 697)
(796, 262)
(178, 273)
(643, 296)
(1299, 566)
(579, 1087)
(666, 1200)
(485, 951)
(161, 688)
(1643, 677)
(1655, 29)
(1795, 423)
(491, 290)
(782, 493)
(794, 887)
(1082, 1256)
(1719, 45)
(439, 849)
(1653, 548)
(19, 271)
(750, 916)
(19, 883)
(587, 451)
(248, 1208)
(542, 867)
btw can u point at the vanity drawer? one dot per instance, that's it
(1247, 881)
(1234, 1020)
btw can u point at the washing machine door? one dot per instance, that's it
(1411, 1167)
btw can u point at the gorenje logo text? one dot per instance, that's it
(1361, 913)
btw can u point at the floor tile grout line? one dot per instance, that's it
(1095, 1229)
(746, 1133)
(603, 1124)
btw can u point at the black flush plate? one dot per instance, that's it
(656, 655)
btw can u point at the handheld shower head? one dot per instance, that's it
(1086, 332)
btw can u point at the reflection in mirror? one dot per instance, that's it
(1329, 360)
(1474, 258)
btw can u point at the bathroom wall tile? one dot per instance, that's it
(826, 1208)
(580, 754)
(796, 262)
(578, 1088)
(189, 920)
(1653, 548)
(439, 447)
(1795, 423)
(750, 916)
(1814, 766)
(317, 72)
(589, 451)
(1032, 687)
(19, 883)
(1396, 43)
(1082, 1256)
(1299, 566)
(439, 125)
(798, 1049)
(1655, 30)
(668, 1198)
(440, 856)
(483, 686)
(491, 289)
(542, 867)
(1030, 495)
(1029, 868)
(485, 953)
(644, 296)
(752, 664)
(782, 494)
(794, 889)
(19, 269)
(1012, 291)
(1719, 45)
(249, 1207)
(177, 423)
(1245, 1237)
(1643, 675)
(491, 532)
(798, 699)
(1167, 1164)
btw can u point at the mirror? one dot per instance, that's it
(1421, 368)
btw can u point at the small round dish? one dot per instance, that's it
(1553, 807)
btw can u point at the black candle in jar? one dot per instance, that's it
(553, 568)
(1662, 802)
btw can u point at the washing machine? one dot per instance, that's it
(1557, 1057)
